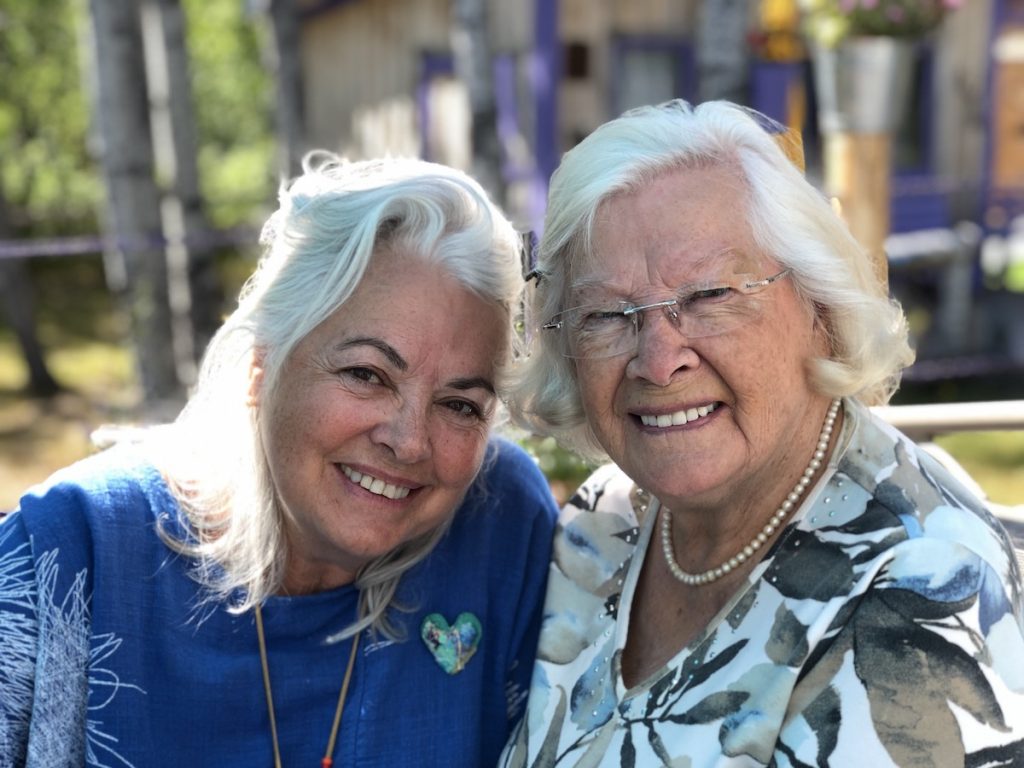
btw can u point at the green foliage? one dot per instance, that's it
(46, 175)
(49, 179)
(233, 96)
(994, 459)
(556, 462)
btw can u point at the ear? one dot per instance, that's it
(255, 379)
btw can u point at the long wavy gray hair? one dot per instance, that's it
(317, 246)
(792, 222)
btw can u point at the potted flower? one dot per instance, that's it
(829, 22)
(863, 53)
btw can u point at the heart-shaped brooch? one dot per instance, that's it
(451, 645)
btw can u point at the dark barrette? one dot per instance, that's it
(530, 270)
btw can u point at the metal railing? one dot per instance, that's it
(925, 422)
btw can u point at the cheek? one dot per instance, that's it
(457, 458)
(296, 418)
(597, 387)
(772, 365)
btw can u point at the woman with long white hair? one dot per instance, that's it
(327, 557)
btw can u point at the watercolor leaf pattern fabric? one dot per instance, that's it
(883, 628)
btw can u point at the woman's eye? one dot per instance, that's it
(707, 294)
(362, 374)
(464, 408)
(600, 318)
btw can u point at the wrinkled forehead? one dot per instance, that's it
(626, 272)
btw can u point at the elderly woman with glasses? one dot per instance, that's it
(328, 556)
(768, 574)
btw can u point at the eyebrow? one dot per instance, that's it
(473, 382)
(386, 349)
(463, 384)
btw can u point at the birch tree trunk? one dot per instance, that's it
(195, 294)
(135, 260)
(285, 64)
(474, 66)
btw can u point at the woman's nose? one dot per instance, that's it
(662, 348)
(404, 430)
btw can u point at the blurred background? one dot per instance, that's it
(142, 143)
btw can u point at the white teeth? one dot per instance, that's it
(395, 491)
(375, 485)
(677, 418)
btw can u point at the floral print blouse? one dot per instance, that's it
(884, 627)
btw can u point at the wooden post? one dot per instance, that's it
(863, 87)
(857, 168)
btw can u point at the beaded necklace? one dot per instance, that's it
(714, 574)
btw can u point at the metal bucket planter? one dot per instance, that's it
(863, 84)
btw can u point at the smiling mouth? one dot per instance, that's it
(376, 485)
(678, 418)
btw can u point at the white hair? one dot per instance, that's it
(791, 221)
(331, 222)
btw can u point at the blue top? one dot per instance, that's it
(109, 659)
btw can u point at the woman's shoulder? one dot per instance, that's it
(509, 471)
(878, 455)
(607, 491)
(909, 489)
(112, 483)
(510, 493)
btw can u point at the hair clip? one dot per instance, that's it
(530, 270)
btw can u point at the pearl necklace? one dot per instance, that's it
(713, 574)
